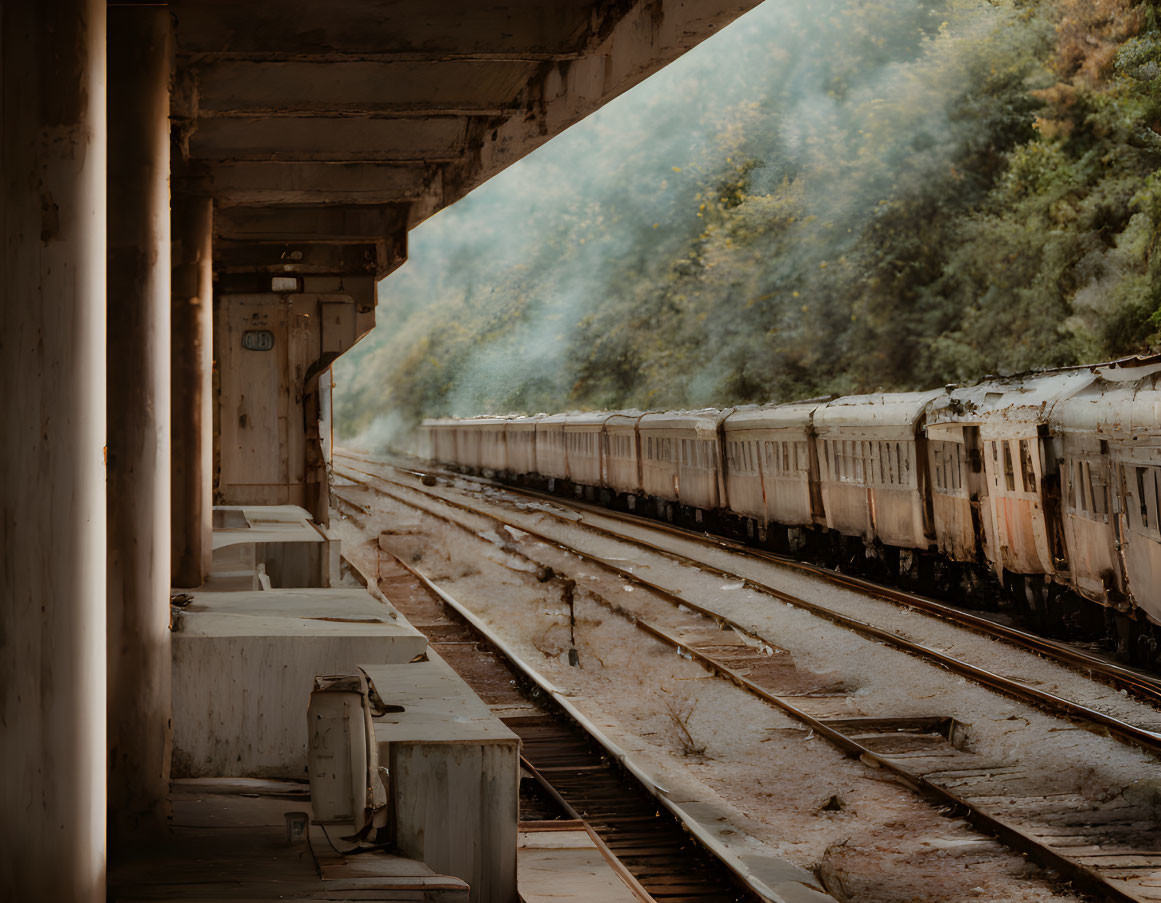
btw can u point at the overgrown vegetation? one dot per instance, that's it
(830, 196)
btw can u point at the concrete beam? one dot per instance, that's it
(382, 29)
(265, 184)
(645, 37)
(305, 258)
(360, 224)
(330, 139)
(52, 471)
(464, 87)
(140, 728)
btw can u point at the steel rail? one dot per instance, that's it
(1081, 875)
(1082, 715)
(1143, 686)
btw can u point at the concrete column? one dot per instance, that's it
(52, 472)
(140, 61)
(192, 390)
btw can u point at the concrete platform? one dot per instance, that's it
(244, 664)
(455, 776)
(283, 541)
(229, 843)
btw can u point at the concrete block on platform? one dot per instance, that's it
(282, 540)
(454, 776)
(228, 844)
(244, 664)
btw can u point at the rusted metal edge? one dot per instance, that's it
(1083, 716)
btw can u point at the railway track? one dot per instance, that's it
(576, 781)
(1101, 668)
(1145, 688)
(1111, 852)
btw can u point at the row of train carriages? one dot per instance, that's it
(1040, 489)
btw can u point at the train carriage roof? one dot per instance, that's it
(1113, 408)
(585, 420)
(1020, 399)
(704, 420)
(523, 421)
(794, 415)
(883, 413)
(624, 420)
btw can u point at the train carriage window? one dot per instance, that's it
(1098, 493)
(1147, 497)
(1027, 465)
(649, 447)
(784, 463)
(937, 465)
(1009, 472)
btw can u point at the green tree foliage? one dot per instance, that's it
(830, 196)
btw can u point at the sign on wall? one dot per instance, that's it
(258, 340)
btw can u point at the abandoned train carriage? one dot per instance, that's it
(1108, 445)
(1051, 482)
(521, 438)
(623, 456)
(872, 472)
(682, 459)
(783, 490)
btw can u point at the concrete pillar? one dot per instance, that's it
(192, 390)
(52, 472)
(140, 61)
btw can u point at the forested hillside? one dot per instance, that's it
(829, 196)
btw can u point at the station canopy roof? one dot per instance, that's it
(339, 125)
